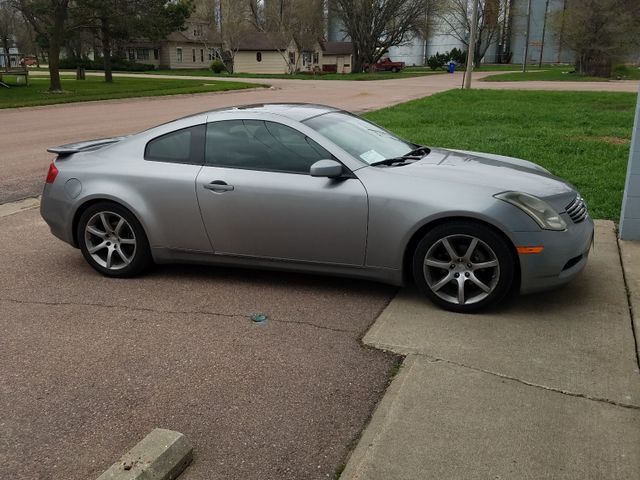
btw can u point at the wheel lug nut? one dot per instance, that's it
(452, 266)
(457, 275)
(466, 274)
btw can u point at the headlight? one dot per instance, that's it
(539, 210)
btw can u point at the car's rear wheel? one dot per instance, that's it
(112, 240)
(464, 266)
(394, 70)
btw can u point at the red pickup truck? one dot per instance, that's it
(384, 65)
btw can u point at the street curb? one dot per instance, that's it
(161, 455)
(378, 424)
(10, 208)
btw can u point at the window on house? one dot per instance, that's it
(202, 55)
(181, 146)
(197, 30)
(156, 53)
(131, 53)
(292, 58)
(306, 58)
(193, 54)
(258, 56)
(179, 55)
(142, 54)
(316, 57)
(211, 54)
(258, 145)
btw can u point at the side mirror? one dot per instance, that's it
(326, 168)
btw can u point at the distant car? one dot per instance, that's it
(315, 189)
(29, 61)
(384, 65)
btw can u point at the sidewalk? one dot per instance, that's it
(543, 388)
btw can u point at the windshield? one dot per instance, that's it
(360, 138)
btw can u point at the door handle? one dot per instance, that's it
(218, 186)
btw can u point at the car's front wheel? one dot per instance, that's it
(464, 266)
(112, 240)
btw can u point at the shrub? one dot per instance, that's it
(439, 60)
(217, 66)
(458, 56)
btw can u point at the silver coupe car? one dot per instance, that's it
(316, 189)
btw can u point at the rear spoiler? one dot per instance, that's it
(71, 148)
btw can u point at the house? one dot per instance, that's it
(337, 57)
(266, 52)
(194, 47)
(14, 57)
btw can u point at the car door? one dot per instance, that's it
(257, 198)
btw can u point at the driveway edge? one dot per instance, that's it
(630, 260)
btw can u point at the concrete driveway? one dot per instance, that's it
(545, 387)
(90, 365)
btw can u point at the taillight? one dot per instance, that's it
(52, 174)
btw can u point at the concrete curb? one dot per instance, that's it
(10, 208)
(377, 425)
(161, 455)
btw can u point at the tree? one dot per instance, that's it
(375, 26)
(285, 20)
(456, 20)
(121, 20)
(49, 20)
(8, 26)
(598, 31)
(234, 24)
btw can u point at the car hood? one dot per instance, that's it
(495, 173)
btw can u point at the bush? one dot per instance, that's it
(116, 64)
(439, 60)
(217, 66)
(458, 56)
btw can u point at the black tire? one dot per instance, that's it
(138, 254)
(490, 247)
(394, 70)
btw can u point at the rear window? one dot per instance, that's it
(182, 146)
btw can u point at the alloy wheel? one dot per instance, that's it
(461, 269)
(110, 240)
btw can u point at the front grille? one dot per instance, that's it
(577, 210)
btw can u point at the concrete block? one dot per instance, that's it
(161, 455)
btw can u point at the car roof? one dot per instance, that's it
(293, 111)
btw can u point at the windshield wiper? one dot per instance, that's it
(410, 157)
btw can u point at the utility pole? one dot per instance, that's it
(561, 39)
(526, 42)
(472, 44)
(544, 29)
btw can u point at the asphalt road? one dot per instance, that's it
(28, 132)
(90, 365)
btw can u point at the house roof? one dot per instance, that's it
(213, 38)
(265, 41)
(337, 48)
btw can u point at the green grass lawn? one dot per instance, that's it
(583, 137)
(94, 88)
(299, 76)
(559, 75)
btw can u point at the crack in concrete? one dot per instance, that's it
(173, 312)
(535, 385)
